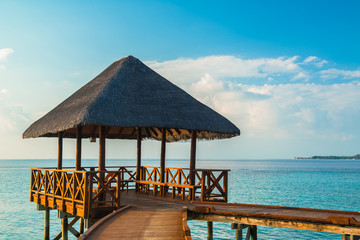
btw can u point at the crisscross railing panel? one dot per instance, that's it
(211, 182)
(61, 189)
(107, 191)
(214, 185)
(150, 174)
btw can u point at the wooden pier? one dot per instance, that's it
(150, 217)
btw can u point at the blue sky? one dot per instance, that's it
(287, 73)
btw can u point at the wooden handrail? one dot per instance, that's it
(212, 182)
(77, 192)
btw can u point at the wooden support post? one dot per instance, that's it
(78, 148)
(81, 226)
(138, 157)
(238, 234)
(162, 160)
(47, 224)
(350, 237)
(60, 150)
(209, 230)
(64, 223)
(251, 233)
(101, 159)
(101, 148)
(192, 161)
(238, 230)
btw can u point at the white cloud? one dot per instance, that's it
(316, 61)
(12, 116)
(277, 111)
(321, 63)
(334, 73)
(302, 75)
(4, 93)
(187, 70)
(4, 53)
(311, 58)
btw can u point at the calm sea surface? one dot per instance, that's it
(328, 184)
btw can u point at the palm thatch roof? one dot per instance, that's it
(129, 95)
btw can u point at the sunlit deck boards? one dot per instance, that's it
(147, 218)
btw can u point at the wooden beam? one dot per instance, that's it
(93, 131)
(156, 131)
(162, 156)
(153, 132)
(78, 147)
(120, 130)
(177, 131)
(60, 150)
(133, 132)
(169, 132)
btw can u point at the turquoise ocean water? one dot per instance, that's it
(328, 184)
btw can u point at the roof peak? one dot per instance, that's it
(129, 57)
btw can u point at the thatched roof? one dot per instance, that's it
(127, 95)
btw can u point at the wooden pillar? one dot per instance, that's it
(101, 148)
(101, 161)
(350, 237)
(162, 160)
(81, 226)
(78, 148)
(162, 156)
(252, 232)
(238, 234)
(47, 224)
(192, 162)
(60, 150)
(138, 157)
(209, 230)
(238, 230)
(57, 175)
(64, 223)
(193, 158)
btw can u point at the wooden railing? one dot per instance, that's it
(86, 194)
(89, 193)
(210, 184)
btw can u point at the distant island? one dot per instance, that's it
(357, 156)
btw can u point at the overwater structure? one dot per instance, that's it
(128, 100)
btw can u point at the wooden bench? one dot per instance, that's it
(164, 186)
(146, 185)
(181, 189)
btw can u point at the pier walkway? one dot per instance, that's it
(152, 217)
(147, 218)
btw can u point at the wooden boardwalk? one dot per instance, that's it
(148, 218)
(152, 217)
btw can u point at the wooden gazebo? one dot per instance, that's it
(128, 100)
